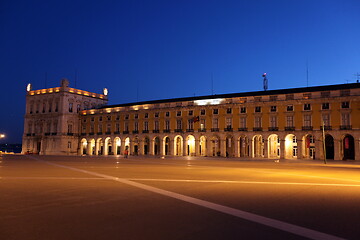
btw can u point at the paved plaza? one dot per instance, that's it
(60, 197)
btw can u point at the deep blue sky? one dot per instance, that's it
(167, 49)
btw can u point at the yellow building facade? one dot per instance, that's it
(300, 123)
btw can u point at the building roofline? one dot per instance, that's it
(243, 94)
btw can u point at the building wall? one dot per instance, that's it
(267, 133)
(51, 123)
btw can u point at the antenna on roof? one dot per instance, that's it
(357, 77)
(265, 82)
(76, 74)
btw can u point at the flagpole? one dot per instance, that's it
(323, 133)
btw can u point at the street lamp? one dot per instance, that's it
(2, 135)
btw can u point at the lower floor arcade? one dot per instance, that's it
(344, 146)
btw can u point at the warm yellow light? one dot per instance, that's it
(28, 87)
(2, 135)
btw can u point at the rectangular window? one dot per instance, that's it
(178, 113)
(345, 119)
(326, 119)
(257, 109)
(229, 110)
(307, 107)
(243, 110)
(215, 111)
(156, 114)
(70, 128)
(117, 127)
(289, 121)
(126, 116)
(108, 127)
(92, 128)
(179, 124)
(136, 116)
(70, 107)
(229, 122)
(272, 108)
(167, 114)
(215, 123)
(108, 118)
(100, 118)
(146, 126)
(257, 121)
(78, 108)
(136, 126)
(146, 115)
(307, 120)
(126, 126)
(167, 125)
(190, 124)
(202, 124)
(191, 112)
(202, 112)
(273, 121)
(345, 105)
(325, 106)
(117, 117)
(243, 122)
(100, 128)
(156, 123)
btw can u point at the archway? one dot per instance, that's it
(83, 147)
(178, 145)
(258, 147)
(215, 146)
(146, 145)
(329, 146)
(127, 145)
(108, 146)
(244, 146)
(348, 147)
(229, 146)
(202, 146)
(274, 146)
(290, 146)
(136, 146)
(167, 146)
(308, 146)
(156, 146)
(99, 146)
(92, 150)
(117, 146)
(190, 140)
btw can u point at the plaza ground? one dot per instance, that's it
(93, 197)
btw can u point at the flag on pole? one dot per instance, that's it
(196, 119)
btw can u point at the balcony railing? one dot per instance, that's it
(307, 128)
(117, 132)
(273, 129)
(242, 129)
(257, 129)
(190, 130)
(135, 132)
(166, 131)
(345, 127)
(70, 134)
(156, 131)
(83, 134)
(91, 133)
(107, 133)
(228, 129)
(289, 128)
(125, 132)
(178, 130)
(99, 133)
(28, 134)
(215, 129)
(326, 128)
(202, 130)
(47, 134)
(145, 131)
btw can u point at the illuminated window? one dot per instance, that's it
(345, 105)
(307, 107)
(325, 106)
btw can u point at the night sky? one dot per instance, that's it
(146, 50)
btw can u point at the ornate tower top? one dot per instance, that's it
(64, 82)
